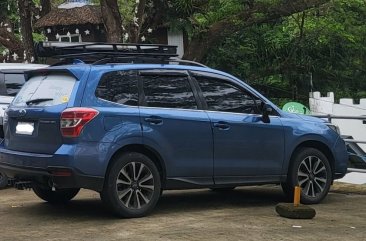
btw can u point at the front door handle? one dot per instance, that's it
(221, 125)
(154, 120)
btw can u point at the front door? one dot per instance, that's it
(245, 148)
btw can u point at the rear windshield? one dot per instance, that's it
(46, 90)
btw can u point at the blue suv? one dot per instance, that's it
(129, 127)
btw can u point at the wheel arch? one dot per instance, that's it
(316, 145)
(143, 149)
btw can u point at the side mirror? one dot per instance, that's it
(266, 111)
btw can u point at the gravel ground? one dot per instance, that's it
(246, 213)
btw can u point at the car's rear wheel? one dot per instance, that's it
(132, 187)
(309, 169)
(3, 180)
(56, 196)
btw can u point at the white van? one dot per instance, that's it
(11, 80)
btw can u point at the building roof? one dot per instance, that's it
(72, 16)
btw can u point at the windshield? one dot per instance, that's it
(45, 90)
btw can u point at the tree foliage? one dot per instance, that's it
(277, 45)
(327, 44)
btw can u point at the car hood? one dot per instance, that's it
(303, 117)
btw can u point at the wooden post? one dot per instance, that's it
(297, 196)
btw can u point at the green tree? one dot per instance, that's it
(326, 43)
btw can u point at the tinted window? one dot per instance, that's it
(119, 87)
(168, 92)
(46, 90)
(223, 96)
(13, 83)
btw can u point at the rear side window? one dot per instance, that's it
(13, 83)
(119, 87)
(46, 90)
(223, 96)
(168, 92)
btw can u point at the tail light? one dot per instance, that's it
(74, 119)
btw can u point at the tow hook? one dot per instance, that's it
(23, 185)
(51, 184)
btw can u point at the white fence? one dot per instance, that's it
(324, 105)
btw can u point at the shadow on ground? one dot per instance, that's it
(206, 199)
(171, 202)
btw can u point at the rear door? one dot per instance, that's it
(175, 126)
(33, 118)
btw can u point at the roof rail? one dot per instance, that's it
(187, 62)
(103, 53)
(145, 59)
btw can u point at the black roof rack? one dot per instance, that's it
(62, 50)
(102, 53)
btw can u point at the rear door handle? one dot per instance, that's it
(154, 120)
(221, 125)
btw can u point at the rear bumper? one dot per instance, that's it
(36, 168)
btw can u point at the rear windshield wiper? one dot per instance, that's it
(38, 100)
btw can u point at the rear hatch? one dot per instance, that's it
(32, 122)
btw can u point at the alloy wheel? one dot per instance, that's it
(135, 185)
(312, 176)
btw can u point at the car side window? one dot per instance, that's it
(119, 87)
(168, 91)
(221, 95)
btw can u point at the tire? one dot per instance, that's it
(57, 196)
(222, 189)
(132, 187)
(3, 180)
(310, 169)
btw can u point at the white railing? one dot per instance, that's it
(363, 118)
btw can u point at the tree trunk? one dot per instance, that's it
(26, 28)
(136, 26)
(46, 7)
(112, 20)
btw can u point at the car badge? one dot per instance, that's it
(22, 112)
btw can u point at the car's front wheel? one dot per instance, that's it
(55, 196)
(309, 169)
(132, 187)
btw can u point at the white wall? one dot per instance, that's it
(325, 105)
(176, 38)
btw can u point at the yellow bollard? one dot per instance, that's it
(297, 196)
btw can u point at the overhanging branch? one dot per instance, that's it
(259, 13)
(9, 41)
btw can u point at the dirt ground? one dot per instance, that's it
(246, 213)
